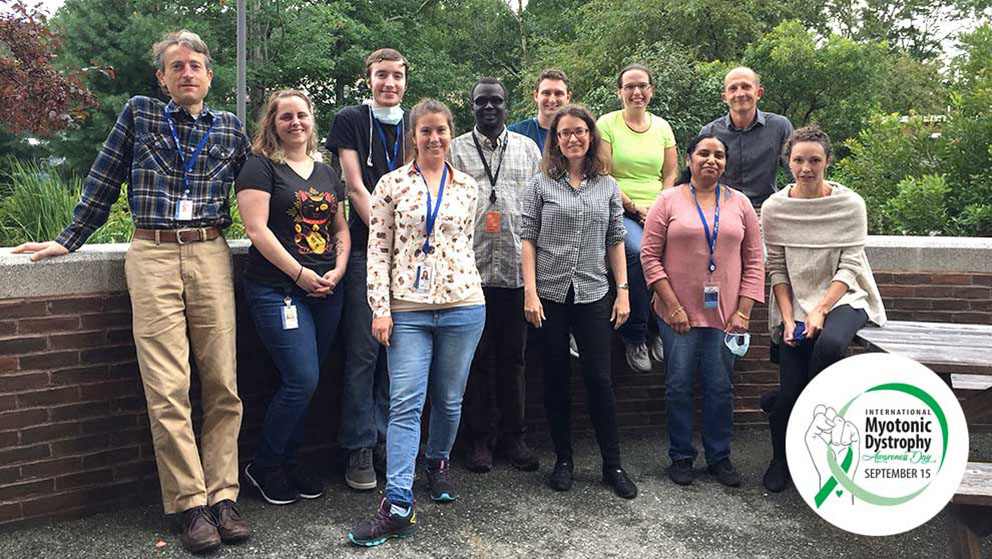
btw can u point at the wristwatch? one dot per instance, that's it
(623, 285)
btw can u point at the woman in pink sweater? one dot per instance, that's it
(702, 258)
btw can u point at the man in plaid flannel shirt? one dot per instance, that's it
(179, 159)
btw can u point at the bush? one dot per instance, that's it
(920, 207)
(37, 204)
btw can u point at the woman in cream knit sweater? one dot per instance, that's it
(823, 291)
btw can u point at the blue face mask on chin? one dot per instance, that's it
(737, 343)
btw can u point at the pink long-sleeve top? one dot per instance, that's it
(674, 247)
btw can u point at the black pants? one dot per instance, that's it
(494, 397)
(798, 365)
(590, 323)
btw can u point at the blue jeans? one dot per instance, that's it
(635, 330)
(430, 353)
(298, 355)
(365, 387)
(703, 350)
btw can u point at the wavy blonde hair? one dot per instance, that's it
(266, 143)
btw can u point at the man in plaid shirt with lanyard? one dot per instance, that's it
(179, 160)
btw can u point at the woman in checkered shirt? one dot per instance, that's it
(573, 219)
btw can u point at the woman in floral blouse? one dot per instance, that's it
(428, 310)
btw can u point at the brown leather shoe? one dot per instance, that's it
(232, 526)
(199, 530)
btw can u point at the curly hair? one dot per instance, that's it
(811, 133)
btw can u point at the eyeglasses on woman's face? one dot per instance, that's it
(632, 87)
(579, 133)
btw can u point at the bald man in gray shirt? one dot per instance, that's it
(754, 138)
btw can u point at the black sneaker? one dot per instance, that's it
(777, 477)
(384, 525)
(620, 482)
(726, 473)
(681, 471)
(561, 478)
(442, 488)
(272, 484)
(306, 483)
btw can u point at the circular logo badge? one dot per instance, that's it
(877, 444)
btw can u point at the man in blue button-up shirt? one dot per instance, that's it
(179, 160)
(754, 138)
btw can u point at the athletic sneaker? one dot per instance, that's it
(309, 485)
(272, 484)
(681, 471)
(360, 474)
(384, 524)
(726, 473)
(637, 357)
(656, 349)
(439, 481)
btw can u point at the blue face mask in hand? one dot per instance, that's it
(737, 343)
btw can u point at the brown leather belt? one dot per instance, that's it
(181, 236)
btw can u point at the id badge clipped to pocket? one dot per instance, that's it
(492, 222)
(422, 283)
(711, 295)
(290, 320)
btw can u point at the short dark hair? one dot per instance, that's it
(551, 74)
(686, 175)
(630, 67)
(811, 133)
(554, 164)
(383, 55)
(490, 81)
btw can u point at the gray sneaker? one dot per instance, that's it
(360, 474)
(656, 349)
(637, 358)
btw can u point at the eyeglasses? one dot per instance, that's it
(630, 87)
(579, 133)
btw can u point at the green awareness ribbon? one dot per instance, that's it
(832, 482)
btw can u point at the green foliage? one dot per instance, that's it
(885, 153)
(893, 163)
(919, 206)
(39, 204)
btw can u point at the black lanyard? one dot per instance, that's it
(485, 165)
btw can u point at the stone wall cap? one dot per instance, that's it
(100, 269)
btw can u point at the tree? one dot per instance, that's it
(35, 96)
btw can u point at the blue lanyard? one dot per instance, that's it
(390, 161)
(187, 165)
(540, 140)
(432, 215)
(711, 241)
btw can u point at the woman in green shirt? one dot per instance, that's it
(641, 149)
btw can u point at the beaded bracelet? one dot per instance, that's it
(677, 311)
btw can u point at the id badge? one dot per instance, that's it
(492, 222)
(184, 210)
(422, 283)
(290, 320)
(711, 295)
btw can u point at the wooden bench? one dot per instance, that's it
(958, 349)
(971, 511)
(961, 354)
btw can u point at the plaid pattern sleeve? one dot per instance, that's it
(141, 151)
(572, 228)
(498, 211)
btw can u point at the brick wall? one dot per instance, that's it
(74, 435)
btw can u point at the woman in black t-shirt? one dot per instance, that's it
(293, 210)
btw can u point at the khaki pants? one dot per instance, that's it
(175, 288)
